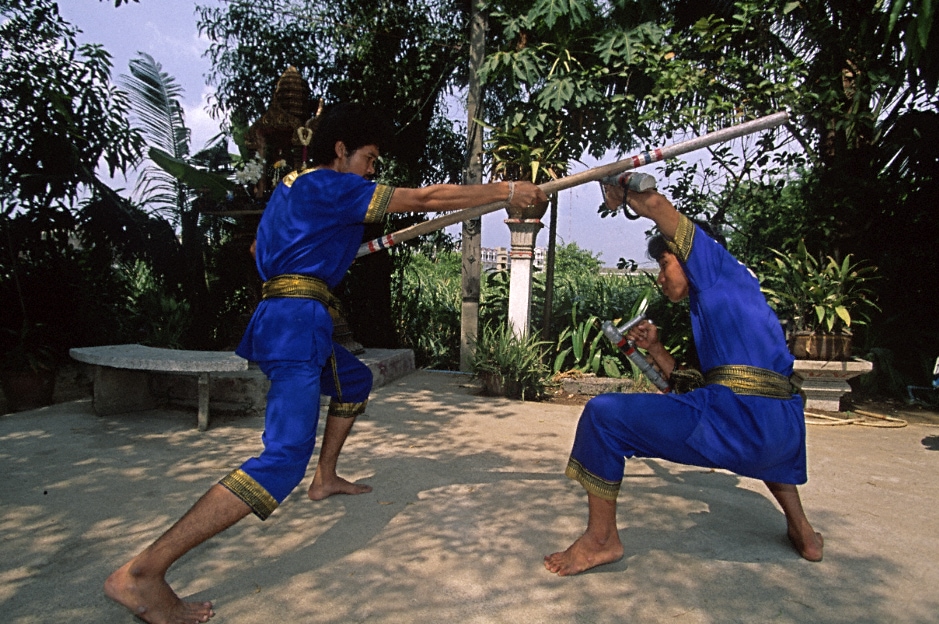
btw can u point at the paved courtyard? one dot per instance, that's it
(469, 495)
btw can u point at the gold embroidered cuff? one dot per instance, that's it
(379, 204)
(346, 410)
(251, 492)
(752, 380)
(607, 490)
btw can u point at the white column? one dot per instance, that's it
(524, 233)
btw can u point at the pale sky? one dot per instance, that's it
(166, 30)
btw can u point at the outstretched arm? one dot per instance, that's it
(444, 197)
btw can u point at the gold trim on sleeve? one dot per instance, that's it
(684, 238)
(379, 203)
(240, 483)
(291, 177)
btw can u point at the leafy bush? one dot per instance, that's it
(516, 364)
(819, 295)
(427, 310)
(589, 350)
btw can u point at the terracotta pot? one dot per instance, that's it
(827, 347)
(28, 390)
(492, 384)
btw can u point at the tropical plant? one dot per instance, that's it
(511, 363)
(819, 295)
(589, 351)
(177, 188)
(427, 309)
(63, 230)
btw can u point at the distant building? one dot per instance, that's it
(497, 258)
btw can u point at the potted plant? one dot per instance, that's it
(821, 298)
(510, 365)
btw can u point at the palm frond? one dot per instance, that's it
(155, 96)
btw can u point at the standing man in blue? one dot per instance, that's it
(308, 238)
(747, 417)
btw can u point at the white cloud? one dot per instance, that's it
(200, 123)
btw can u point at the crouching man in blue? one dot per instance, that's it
(307, 239)
(745, 416)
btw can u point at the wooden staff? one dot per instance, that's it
(590, 175)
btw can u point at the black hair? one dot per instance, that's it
(658, 246)
(355, 124)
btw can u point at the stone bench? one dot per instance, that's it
(122, 383)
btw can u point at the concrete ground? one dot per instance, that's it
(469, 496)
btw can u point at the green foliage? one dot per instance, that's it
(399, 55)
(589, 350)
(515, 158)
(819, 295)
(154, 317)
(581, 289)
(61, 118)
(427, 310)
(494, 297)
(518, 363)
(59, 114)
(56, 293)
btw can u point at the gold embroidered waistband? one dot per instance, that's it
(299, 286)
(753, 380)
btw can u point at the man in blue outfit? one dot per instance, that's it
(746, 417)
(307, 239)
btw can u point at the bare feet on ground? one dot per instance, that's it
(809, 546)
(152, 600)
(337, 485)
(585, 553)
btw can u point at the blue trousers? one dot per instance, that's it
(711, 427)
(291, 419)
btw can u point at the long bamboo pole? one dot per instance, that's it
(590, 175)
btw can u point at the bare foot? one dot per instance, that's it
(322, 488)
(152, 600)
(809, 546)
(585, 553)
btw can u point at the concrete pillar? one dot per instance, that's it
(524, 232)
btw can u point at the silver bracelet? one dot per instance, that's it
(511, 191)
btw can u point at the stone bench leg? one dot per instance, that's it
(203, 401)
(118, 391)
